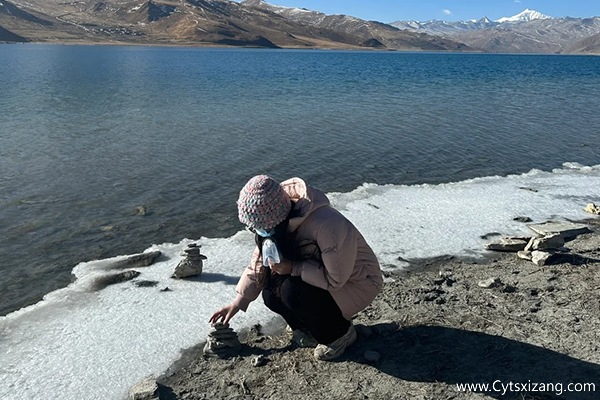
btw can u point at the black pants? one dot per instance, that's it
(305, 307)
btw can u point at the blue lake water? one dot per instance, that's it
(89, 133)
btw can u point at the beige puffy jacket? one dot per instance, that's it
(339, 258)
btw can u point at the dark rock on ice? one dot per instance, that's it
(145, 283)
(522, 219)
(136, 260)
(111, 279)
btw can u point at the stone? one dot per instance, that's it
(592, 209)
(511, 244)
(445, 273)
(445, 277)
(489, 283)
(193, 252)
(509, 289)
(529, 189)
(539, 257)
(522, 219)
(141, 210)
(565, 229)
(150, 389)
(187, 268)
(372, 356)
(136, 260)
(524, 254)
(259, 361)
(145, 283)
(111, 279)
(222, 342)
(144, 390)
(553, 241)
(191, 265)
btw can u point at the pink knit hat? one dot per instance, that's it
(263, 203)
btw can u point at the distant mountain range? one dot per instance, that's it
(527, 32)
(256, 23)
(437, 27)
(201, 22)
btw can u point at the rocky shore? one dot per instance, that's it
(533, 333)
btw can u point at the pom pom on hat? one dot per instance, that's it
(263, 203)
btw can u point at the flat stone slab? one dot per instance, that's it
(137, 260)
(111, 279)
(513, 244)
(565, 229)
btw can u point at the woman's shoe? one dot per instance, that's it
(325, 352)
(302, 338)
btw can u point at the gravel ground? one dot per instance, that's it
(534, 335)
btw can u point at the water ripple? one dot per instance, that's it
(91, 133)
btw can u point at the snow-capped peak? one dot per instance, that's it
(278, 9)
(524, 16)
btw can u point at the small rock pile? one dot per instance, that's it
(550, 239)
(191, 265)
(222, 342)
(540, 249)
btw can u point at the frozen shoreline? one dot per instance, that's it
(92, 344)
(539, 325)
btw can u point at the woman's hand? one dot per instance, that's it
(224, 315)
(284, 267)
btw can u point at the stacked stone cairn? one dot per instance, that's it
(222, 342)
(191, 265)
(550, 239)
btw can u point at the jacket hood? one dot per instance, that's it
(306, 200)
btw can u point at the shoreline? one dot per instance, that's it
(299, 48)
(248, 47)
(432, 328)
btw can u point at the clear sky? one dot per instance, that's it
(449, 10)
